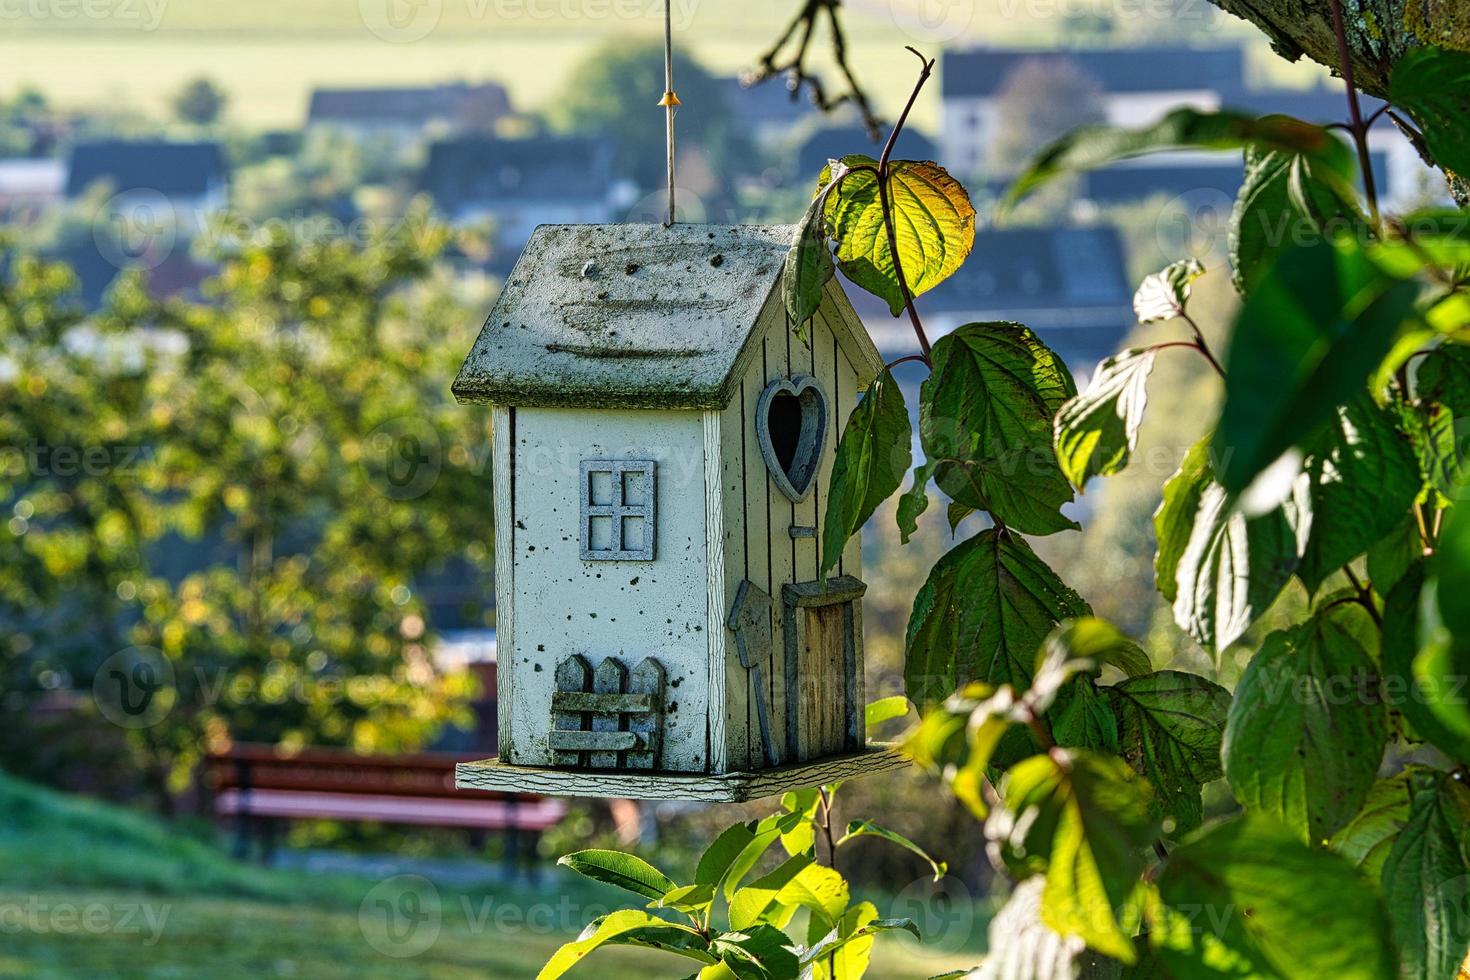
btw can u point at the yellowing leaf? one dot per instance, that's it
(933, 224)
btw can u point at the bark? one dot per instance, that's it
(1378, 31)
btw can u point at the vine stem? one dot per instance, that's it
(1199, 342)
(904, 360)
(827, 826)
(1355, 111)
(1365, 595)
(887, 205)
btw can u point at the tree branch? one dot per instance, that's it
(772, 64)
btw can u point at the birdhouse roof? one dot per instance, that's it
(626, 316)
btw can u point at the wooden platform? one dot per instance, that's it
(735, 787)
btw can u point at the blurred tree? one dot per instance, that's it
(615, 93)
(74, 512)
(302, 471)
(28, 126)
(309, 425)
(1042, 98)
(200, 102)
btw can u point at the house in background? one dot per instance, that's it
(404, 113)
(1069, 285)
(192, 177)
(521, 183)
(1138, 85)
(767, 112)
(31, 182)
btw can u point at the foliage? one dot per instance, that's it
(1331, 462)
(610, 95)
(200, 102)
(756, 944)
(286, 473)
(1039, 100)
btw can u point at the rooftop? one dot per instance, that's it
(978, 72)
(173, 169)
(626, 315)
(475, 169)
(407, 106)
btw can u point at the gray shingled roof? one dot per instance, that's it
(626, 315)
(984, 71)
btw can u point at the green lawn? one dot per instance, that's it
(89, 890)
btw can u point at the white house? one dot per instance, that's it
(1138, 85)
(663, 438)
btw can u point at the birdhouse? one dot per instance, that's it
(662, 441)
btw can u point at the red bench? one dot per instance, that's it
(260, 787)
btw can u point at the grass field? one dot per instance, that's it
(269, 54)
(88, 890)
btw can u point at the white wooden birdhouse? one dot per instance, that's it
(663, 438)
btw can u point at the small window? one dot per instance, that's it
(617, 509)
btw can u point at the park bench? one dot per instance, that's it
(260, 787)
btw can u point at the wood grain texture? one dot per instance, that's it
(572, 674)
(739, 713)
(647, 680)
(502, 447)
(717, 605)
(610, 677)
(737, 787)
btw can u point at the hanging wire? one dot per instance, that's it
(670, 101)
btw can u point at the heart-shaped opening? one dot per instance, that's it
(792, 425)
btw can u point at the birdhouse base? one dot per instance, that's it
(733, 787)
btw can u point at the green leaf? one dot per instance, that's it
(914, 501)
(933, 223)
(1082, 819)
(1364, 477)
(1220, 568)
(958, 740)
(1083, 717)
(808, 263)
(885, 709)
(1394, 554)
(985, 420)
(1097, 431)
(1368, 837)
(1418, 694)
(867, 828)
(626, 871)
(872, 457)
(1165, 294)
(1171, 725)
(821, 891)
(845, 952)
(689, 899)
(1442, 384)
(758, 901)
(1247, 899)
(762, 952)
(1283, 200)
(1090, 638)
(1433, 85)
(1426, 880)
(1307, 730)
(724, 850)
(1306, 340)
(1097, 146)
(610, 929)
(987, 606)
(1451, 568)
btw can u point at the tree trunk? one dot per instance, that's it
(1378, 31)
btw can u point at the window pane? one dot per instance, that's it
(600, 488)
(600, 534)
